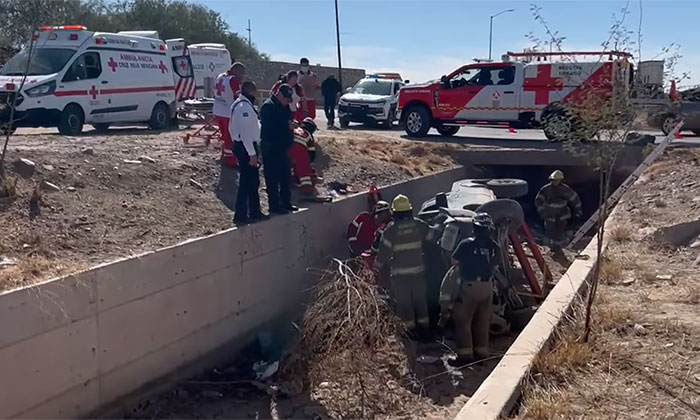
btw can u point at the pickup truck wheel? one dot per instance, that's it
(447, 130)
(508, 188)
(668, 124)
(416, 121)
(558, 126)
(159, 117)
(71, 121)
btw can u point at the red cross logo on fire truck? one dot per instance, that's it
(183, 65)
(93, 92)
(162, 67)
(112, 64)
(543, 84)
(220, 88)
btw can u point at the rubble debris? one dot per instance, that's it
(196, 184)
(25, 167)
(678, 235)
(48, 186)
(47, 167)
(639, 329)
(131, 161)
(87, 151)
(147, 159)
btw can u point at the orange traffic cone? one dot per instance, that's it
(673, 93)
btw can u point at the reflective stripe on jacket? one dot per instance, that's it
(558, 202)
(401, 245)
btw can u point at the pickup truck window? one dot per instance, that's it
(485, 76)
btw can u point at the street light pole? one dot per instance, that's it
(337, 37)
(491, 27)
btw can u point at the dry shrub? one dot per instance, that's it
(8, 187)
(31, 269)
(610, 271)
(691, 295)
(621, 232)
(543, 404)
(399, 159)
(350, 356)
(417, 150)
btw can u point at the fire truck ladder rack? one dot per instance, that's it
(626, 184)
(530, 276)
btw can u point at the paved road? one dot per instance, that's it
(496, 137)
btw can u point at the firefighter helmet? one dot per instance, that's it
(309, 125)
(401, 203)
(381, 206)
(557, 175)
(483, 220)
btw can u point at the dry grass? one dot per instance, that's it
(32, 269)
(8, 187)
(610, 271)
(691, 295)
(621, 232)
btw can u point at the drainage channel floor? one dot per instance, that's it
(444, 391)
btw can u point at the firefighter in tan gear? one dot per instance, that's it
(401, 246)
(476, 259)
(556, 202)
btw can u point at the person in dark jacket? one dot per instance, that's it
(276, 138)
(330, 89)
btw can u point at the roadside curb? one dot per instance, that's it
(499, 393)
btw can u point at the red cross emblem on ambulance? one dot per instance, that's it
(112, 64)
(543, 84)
(163, 68)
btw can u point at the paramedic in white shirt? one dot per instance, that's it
(245, 133)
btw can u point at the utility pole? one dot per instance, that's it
(337, 37)
(250, 42)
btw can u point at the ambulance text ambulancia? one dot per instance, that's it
(76, 76)
(525, 89)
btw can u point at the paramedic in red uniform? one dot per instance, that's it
(292, 79)
(302, 154)
(227, 87)
(362, 230)
(309, 83)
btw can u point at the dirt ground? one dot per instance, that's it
(643, 359)
(132, 190)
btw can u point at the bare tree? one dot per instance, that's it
(602, 118)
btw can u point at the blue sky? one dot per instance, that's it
(424, 39)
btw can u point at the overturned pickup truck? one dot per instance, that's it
(517, 289)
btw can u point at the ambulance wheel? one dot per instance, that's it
(71, 121)
(447, 130)
(101, 127)
(558, 126)
(416, 121)
(344, 123)
(159, 117)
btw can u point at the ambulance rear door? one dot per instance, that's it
(208, 61)
(183, 75)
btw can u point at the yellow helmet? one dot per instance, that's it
(401, 203)
(557, 175)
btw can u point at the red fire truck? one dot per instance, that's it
(525, 89)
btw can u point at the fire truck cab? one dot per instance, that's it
(525, 89)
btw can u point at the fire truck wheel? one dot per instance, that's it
(508, 188)
(159, 117)
(558, 126)
(344, 123)
(71, 120)
(447, 130)
(669, 123)
(416, 121)
(101, 127)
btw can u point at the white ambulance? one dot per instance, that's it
(208, 61)
(76, 76)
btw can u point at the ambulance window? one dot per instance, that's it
(505, 76)
(85, 67)
(182, 66)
